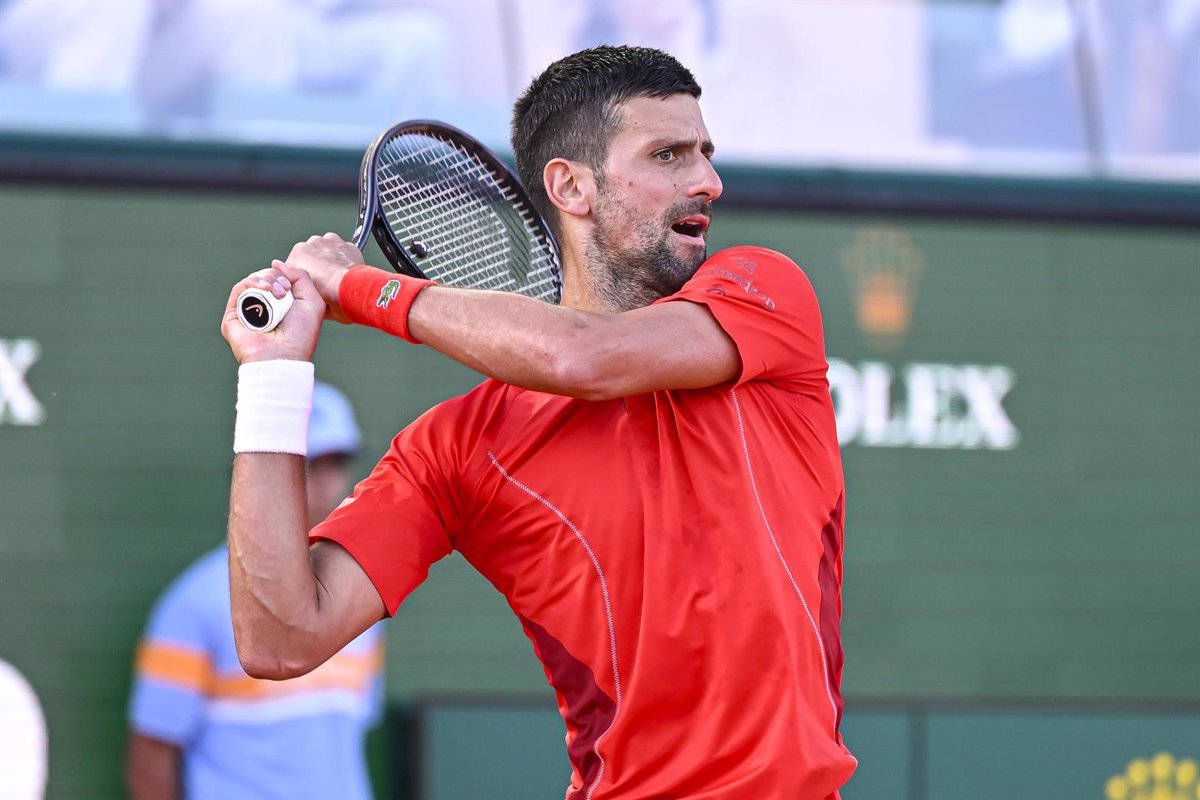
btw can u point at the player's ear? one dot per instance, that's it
(570, 186)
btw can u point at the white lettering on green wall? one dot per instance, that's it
(923, 405)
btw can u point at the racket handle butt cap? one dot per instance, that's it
(260, 310)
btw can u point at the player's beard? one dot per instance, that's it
(634, 262)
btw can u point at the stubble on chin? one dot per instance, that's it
(624, 278)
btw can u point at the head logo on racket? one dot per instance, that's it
(388, 293)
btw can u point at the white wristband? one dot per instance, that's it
(273, 404)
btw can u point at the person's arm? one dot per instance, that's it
(152, 768)
(595, 356)
(534, 345)
(293, 607)
(749, 313)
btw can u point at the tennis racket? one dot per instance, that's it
(442, 206)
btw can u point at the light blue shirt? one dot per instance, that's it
(244, 738)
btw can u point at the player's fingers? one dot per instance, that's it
(298, 281)
(270, 280)
(342, 243)
(281, 285)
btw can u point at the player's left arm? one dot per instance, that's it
(583, 354)
(535, 345)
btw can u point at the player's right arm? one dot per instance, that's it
(293, 606)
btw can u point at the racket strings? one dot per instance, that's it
(426, 193)
(473, 226)
(475, 248)
(459, 238)
(478, 174)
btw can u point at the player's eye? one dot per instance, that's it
(665, 156)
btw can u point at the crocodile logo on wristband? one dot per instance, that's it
(388, 293)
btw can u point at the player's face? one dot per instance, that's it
(653, 203)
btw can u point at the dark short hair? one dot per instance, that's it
(570, 110)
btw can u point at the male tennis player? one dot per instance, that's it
(651, 476)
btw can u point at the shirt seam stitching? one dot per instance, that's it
(612, 632)
(737, 408)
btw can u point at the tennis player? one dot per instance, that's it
(650, 476)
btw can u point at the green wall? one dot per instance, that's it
(918, 752)
(1022, 471)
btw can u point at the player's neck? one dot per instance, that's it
(577, 294)
(579, 287)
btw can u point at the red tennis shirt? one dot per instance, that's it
(675, 557)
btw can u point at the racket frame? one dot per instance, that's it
(373, 222)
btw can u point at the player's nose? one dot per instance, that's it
(706, 181)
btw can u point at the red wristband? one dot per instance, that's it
(380, 299)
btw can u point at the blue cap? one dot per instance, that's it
(331, 428)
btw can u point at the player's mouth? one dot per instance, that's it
(692, 228)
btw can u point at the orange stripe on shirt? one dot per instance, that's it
(174, 664)
(353, 671)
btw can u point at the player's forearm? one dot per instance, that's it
(517, 339)
(272, 584)
(594, 356)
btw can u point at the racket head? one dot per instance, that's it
(442, 206)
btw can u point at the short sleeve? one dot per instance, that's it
(765, 303)
(173, 669)
(397, 522)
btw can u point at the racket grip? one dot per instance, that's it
(260, 310)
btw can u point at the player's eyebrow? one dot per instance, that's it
(707, 148)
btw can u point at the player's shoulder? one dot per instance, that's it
(764, 276)
(751, 262)
(749, 258)
(753, 255)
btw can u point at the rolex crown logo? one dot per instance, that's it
(1157, 778)
(883, 265)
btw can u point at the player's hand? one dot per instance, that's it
(326, 259)
(295, 338)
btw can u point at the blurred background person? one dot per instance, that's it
(201, 728)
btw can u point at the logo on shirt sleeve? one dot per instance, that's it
(742, 275)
